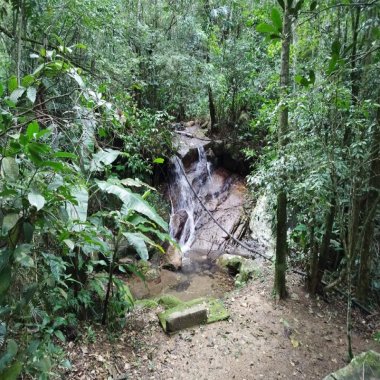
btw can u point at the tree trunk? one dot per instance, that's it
(363, 285)
(325, 245)
(281, 227)
(281, 246)
(312, 279)
(211, 108)
(211, 103)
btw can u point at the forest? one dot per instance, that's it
(274, 100)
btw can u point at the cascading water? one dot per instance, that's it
(199, 236)
(186, 210)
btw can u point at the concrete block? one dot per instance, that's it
(189, 317)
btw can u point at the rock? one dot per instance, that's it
(248, 270)
(206, 124)
(193, 316)
(168, 301)
(244, 269)
(365, 366)
(152, 274)
(261, 227)
(177, 222)
(230, 262)
(190, 123)
(172, 260)
(215, 311)
(189, 156)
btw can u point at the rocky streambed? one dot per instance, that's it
(209, 205)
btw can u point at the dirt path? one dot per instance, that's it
(264, 339)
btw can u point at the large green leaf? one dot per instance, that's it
(5, 254)
(8, 356)
(103, 158)
(13, 372)
(276, 19)
(16, 94)
(31, 94)
(9, 221)
(36, 200)
(137, 241)
(12, 83)
(5, 280)
(133, 202)
(9, 169)
(32, 130)
(3, 333)
(22, 255)
(129, 182)
(78, 211)
(266, 28)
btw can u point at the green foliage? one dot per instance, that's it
(59, 234)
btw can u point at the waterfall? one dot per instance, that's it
(186, 211)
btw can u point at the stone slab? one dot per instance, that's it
(193, 316)
(365, 366)
(216, 310)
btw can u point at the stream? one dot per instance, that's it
(196, 175)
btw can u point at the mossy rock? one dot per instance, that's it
(230, 262)
(168, 301)
(244, 269)
(146, 304)
(365, 366)
(248, 270)
(215, 307)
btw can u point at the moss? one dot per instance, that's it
(146, 304)
(168, 301)
(230, 262)
(216, 310)
(367, 363)
(244, 268)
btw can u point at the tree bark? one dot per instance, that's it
(281, 227)
(211, 103)
(325, 245)
(312, 279)
(372, 201)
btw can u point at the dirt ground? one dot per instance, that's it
(299, 338)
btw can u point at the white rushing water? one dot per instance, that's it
(186, 210)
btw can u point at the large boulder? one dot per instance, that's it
(365, 366)
(172, 260)
(261, 227)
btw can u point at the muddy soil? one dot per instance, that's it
(299, 338)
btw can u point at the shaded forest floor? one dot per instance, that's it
(264, 339)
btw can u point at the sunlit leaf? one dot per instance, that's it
(9, 221)
(22, 255)
(159, 160)
(12, 83)
(276, 19)
(16, 94)
(9, 169)
(132, 202)
(37, 200)
(103, 158)
(137, 241)
(33, 129)
(31, 94)
(266, 28)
